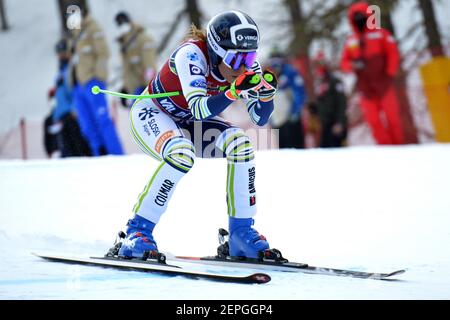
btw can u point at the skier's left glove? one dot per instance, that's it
(269, 86)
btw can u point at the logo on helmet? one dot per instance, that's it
(213, 31)
(212, 43)
(240, 37)
(246, 40)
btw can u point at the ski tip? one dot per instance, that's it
(396, 273)
(387, 276)
(38, 255)
(259, 278)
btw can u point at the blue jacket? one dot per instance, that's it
(63, 94)
(290, 79)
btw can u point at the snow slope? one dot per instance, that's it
(363, 208)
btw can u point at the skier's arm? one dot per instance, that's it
(191, 66)
(260, 111)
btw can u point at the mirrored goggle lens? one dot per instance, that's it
(235, 59)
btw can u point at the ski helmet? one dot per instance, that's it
(232, 37)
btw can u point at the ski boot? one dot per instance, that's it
(244, 241)
(139, 242)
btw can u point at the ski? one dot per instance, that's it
(273, 260)
(286, 267)
(157, 267)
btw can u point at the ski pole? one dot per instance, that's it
(97, 90)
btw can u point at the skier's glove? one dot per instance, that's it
(245, 86)
(269, 86)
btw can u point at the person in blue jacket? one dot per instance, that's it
(63, 92)
(62, 124)
(90, 62)
(291, 131)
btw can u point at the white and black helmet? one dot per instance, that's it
(229, 33)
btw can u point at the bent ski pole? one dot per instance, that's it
(97, 90)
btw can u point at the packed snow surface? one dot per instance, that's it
(366, 208)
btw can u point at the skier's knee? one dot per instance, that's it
(179, 153)
(238, 147)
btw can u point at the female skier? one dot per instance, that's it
(211, 70)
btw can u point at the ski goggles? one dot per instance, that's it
(234, 59)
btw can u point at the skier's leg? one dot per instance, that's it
(158, 135)
(216, 138)
(177, 159)
(241, 193)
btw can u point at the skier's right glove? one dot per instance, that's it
(245, 86)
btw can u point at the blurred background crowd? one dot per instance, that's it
(350, 72)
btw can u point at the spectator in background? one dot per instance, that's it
(372, 54)
(291, 82)
(50, 130)
(62, 135)
(138, 55)
(311, 125)
(331, 104)
(91, 69)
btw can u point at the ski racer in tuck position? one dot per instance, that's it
(211, 70)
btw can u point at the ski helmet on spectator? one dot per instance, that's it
(232, 37)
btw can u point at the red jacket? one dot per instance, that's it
(375, 50)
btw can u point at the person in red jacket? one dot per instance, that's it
(372, 54)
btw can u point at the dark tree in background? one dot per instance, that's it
(299, 47)
(63, 5)
(4, 22)
(195, 16)
(319, 23)
(194, 13)
(431, 29)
